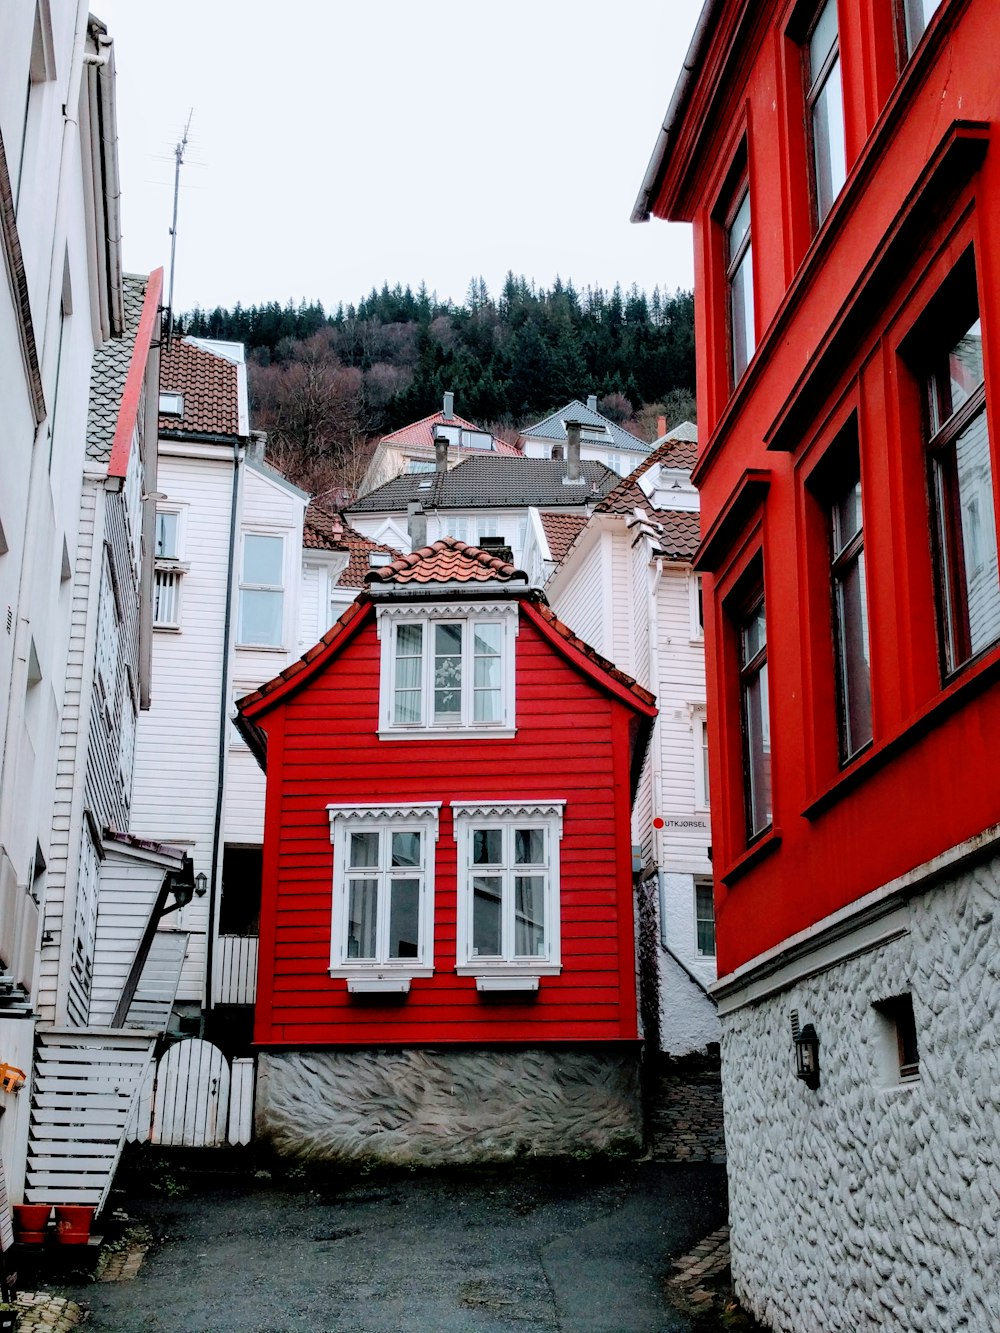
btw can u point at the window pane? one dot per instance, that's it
(488, 706)
(823, 38)
(486, 921)
(846, 517)
(828, 141)
(754, 634)
(447, 671)
(739, 227)
(918, 14)
(487, 846)
(260, 617)
(758, 740)
(529, 916)
(409, 641)
(741, 315)
(854, 664)
(362, 904)
(166, 536)
(409, 663)
(406, 849)
(404, 916)
(705, 918)
(529, 846)
(953, 383)
(487, 673)
(487, 640)
(364, 850)
(262, 559)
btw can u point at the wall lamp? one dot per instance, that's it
(200, 884)
(807, 1056)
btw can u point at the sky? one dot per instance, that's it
(339, 144)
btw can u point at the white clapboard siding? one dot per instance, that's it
(191, 1099)
(154, 995)
(128, 890)
(241, 1089)
(236, 970)
(84, 1089)
(140, 1123)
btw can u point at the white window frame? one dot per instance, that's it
(508, 972)
(171, 404)
(699, 723)
(703, 882)
(169, 567)
(697, 627)
(245, 586)
(382, 974)
(389, 620)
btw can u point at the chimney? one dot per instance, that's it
(661, 427)
(592, 402)
(416, 525)
(574, 475)
(441, 451)
(448, 411)
(256, 446)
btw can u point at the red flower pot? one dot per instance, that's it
(30, 1221)
(73, 1223)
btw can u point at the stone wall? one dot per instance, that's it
(434, 1106)
(872, 1203)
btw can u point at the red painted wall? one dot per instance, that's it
(833, 312)
(572, 742)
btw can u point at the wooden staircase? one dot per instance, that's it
(86, 1082)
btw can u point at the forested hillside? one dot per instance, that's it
(323, 385)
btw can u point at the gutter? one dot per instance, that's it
(678, 103)
(108, 127)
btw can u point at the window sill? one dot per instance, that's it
(167, 629)
(261, 648)
(448, 734)
(762, 848)
(507, 984)
(507, 971)
(378, 985)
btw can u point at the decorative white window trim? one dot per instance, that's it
(546, 814)
(391, 618)
(382, 973)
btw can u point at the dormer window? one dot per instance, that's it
(447, 670)
(377, 559)
(171, 404)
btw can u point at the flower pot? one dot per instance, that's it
(73, 1223)
(30, 1221)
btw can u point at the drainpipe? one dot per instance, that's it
(220, 790)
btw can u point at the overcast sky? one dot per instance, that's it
(338, 144)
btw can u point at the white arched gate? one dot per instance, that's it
(194, 1100)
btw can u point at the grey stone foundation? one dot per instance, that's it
(430, 1107)
(874, 1202)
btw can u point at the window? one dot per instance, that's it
(107, 634)
(899, 1056)
(166, 570)
(262, 596)
(701, 788)
(171, 404)
(383, 893)
(557, 453)
(850, 614)
(448, 672)
(697, 607)
(962, 492)
(508, 888)
(704, 917)
(916, 16)
(167, 529)
(825, 108)
(739, 283)
(752, 629)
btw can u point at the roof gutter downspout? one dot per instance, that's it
(220, 789)
(692, 61)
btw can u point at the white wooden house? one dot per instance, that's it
(601, 439)
(623, 581)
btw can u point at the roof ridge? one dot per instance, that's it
(411, 561)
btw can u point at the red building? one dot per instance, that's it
(836, 159)
(447, 959)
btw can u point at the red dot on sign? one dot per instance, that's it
(657, 822)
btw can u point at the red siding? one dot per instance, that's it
(571, 742)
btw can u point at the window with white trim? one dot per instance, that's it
(704, 917)
(167, 569)
(107, 634)
(262, 591)
(701, 787)
(444, 672)
(383, 893)
(508, 887)
(696, 605)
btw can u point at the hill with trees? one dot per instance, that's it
(324, 385)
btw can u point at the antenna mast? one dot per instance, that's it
(178, 160)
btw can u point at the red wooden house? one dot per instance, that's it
(838, 161)
(447, 964)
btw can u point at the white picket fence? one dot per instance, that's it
(236, 969)
(194, 1098)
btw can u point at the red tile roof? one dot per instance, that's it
(680, 530)
(561, 531)
(421, 433)
(446, 561)
(209, 384)
(325, 530)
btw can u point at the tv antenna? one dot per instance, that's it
(178, 162)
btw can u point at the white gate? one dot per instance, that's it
(193, 1099)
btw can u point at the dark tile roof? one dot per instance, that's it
(561, 531)
(446, 561)
(604, 431)
(680, 530)
(325, 530)
(108, 373)
(210, 385)
(492, 480)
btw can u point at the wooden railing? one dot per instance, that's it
(236, 969)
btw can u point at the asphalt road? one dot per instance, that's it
(566, 1248)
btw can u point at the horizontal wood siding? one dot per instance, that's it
(329, 752)
(580, 602)
(128, 893)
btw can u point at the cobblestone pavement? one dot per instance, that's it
(41, 1312)
(684, 1111)
(690, 1286)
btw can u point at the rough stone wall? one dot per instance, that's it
(436, 1106)
(863, 1205)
